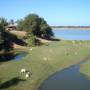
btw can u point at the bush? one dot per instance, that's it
(32, 40)
(36, 25)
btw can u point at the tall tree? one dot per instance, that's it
(1, 37)
(36, 25)
(20, 25)
(11, 22)
(3, 21)
(5, 42)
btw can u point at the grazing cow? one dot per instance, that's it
(73, 42)
(76, 53)
(23, 70)
(45, 59)
(80, 43)
(28, 74)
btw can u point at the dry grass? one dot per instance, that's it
(19, 33)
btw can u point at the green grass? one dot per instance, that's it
(59, 55)
(85, 68)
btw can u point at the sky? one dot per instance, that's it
(55, 12)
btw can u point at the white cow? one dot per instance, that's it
(80, 43)
(76, 53)
(73, 42)
(45, 59)
(28, 74)
(23, 70)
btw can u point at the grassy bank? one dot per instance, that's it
(43, 61)
(85, 68)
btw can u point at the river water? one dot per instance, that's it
(20, 56)
(72, 34)
(67, 79)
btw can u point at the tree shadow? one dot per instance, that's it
(12, 82)
(6, 57)
(13, 38)
(55, 39)
(19, 42)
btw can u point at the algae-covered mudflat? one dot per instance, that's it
(42, 62)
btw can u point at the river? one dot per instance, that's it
(72, 34)
(67, 79)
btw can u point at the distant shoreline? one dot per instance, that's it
(71, 28)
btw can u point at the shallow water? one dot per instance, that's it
(72, 34)
(20, 56)
(67, 79)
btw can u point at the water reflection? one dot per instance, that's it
(6, 57)
(20, 56)
(68, 79)
(12, 56)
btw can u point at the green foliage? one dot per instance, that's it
(20, 25)
(3, 22)
(1, 29)
(36, 25)
(1, 36)
(11, 22)
(31, 40)
(5, 42)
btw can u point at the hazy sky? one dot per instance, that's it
(55, 12)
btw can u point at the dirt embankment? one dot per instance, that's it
(23, 34)
(19, 33)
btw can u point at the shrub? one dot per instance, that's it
(32, 40)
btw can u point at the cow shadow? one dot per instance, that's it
(12, 82)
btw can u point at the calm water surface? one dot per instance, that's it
(68, 79)
(20, 56)
(72, 34)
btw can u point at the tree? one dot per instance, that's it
(1, 38)
(5, 42)
(32, 41)
(20, 25)
(11, 22)
(3, 22)
(5, 45)
(45, 29)
(33, 24)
